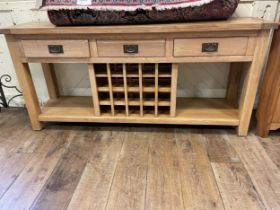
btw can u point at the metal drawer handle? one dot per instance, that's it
(130, 48)
(210, 47)
(55, 49)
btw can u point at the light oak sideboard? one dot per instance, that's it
(133, 70)
(268, 114)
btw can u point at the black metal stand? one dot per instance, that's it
(4, 79)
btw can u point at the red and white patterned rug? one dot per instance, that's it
(117, 5)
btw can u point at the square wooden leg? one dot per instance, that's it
(51, 81)
(26, 83)
(251, 83)
(234, 83)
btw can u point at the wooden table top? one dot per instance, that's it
(233, 24)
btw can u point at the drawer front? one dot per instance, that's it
(56, 48)
(211, 46)
(137, 48)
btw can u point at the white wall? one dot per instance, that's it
(196, 80)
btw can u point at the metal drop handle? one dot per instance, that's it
(130, 48)
(210, 47)
(55, 49)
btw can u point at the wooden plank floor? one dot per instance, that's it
(123, 167)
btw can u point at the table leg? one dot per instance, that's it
(51, 81)
(251, 83)
(234, 83)
(26, 83)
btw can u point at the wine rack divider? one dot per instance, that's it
(134, 90)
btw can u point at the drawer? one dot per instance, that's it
(236, 46)
(56, 48)
(138, 48)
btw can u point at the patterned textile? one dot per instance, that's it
(125, 5)
(216, 10)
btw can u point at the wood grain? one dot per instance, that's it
(58, 191)
(128, 189)
(234, 24)
(95, 183)
(219, 150)
(16, 151)
(234, 83)
(268, 108)
(188, 59)
(125, 90)
(271, 146)
(109, 77)
(134, 167)
(173, 98)
(164, 178)
(11, 167)
(262, 170)
(226, 46)
(251, 83)
(26, 83)
(198, 182)
(189, 111)
(237, 190)
(146, 48)
(156, 89)
(34, 176)
(71, 48)
(140, 71)
(276, 116)
(51, 81)
(92, 79)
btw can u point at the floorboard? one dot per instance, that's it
(33, 177)
(95, 183)
(131, 167)
(236, 187)
(164, 177)
(59, 189)
(272, 147)
(264, 174)
(129, 184)
(199, 187)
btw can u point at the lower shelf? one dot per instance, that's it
(68, 109)
(189, 111)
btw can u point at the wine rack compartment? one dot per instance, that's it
(134, 90)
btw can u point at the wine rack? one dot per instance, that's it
(135, 90)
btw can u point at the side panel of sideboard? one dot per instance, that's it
(268, 108)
